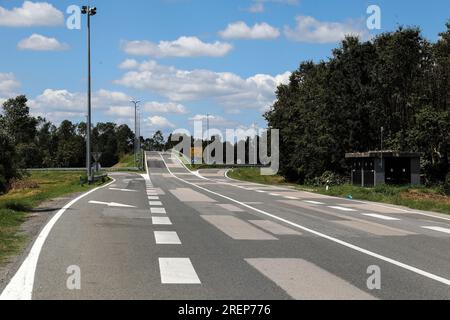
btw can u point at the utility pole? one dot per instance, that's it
(89, 11)
(136, 138)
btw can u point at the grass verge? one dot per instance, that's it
(414, 197)
(30, 193)
(126, 161)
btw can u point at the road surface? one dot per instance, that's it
(173, 234)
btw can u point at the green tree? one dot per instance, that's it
(8, 162)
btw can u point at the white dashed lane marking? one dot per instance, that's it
(153, 198)
(158, 210)
(379, 216)
(122, 190)
(314, 202)
(177, 271)
(162, 221)
(167, 237)
(438, 229)
(155, 203)
(342, 208)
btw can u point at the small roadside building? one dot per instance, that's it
(373, 168)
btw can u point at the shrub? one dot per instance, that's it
(328, 178)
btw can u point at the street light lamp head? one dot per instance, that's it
(93, 11)
(84, 9)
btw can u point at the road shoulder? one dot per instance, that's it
(37, 219)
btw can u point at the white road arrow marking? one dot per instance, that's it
(112, 204)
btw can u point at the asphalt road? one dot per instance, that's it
(177, 235)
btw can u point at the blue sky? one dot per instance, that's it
(182, 58)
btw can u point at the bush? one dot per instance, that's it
(328, 178)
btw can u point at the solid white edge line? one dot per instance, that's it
(322, 235)
(21, 285)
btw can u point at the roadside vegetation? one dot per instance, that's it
(26, 194)
(126, 161)
(28, 142)
(398, 80)
(414, 197)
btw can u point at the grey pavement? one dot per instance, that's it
(173, 234)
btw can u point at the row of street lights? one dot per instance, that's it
(89, 12)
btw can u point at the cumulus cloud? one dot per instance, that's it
(159, 122)
(59, 100)
(229, 89)
(259, 31)
(120, 111)
(214, 121)
(37, 42)
(310, 30)
(56, 105)
(182, 47)
(168, 107)
(8, 86)
(149, 107)
(31, 14)
(129, 64)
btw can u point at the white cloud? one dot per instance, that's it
(37, 42)
(111, 97)
(129, 64)
(31, 14)
(8, 85)
(214, 121)
(169, 107)
(57, 105)
(182, 47)
(149, 107)
(159, 122)
(259, 31)
(310, 30)
(59, 100)
(120, 111)
(229, 89)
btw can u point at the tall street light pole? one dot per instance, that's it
(136, 138)
(89, 11)
(139, 136)
(207, 136)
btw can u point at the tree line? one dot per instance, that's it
(33, 142)
(399, 81)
